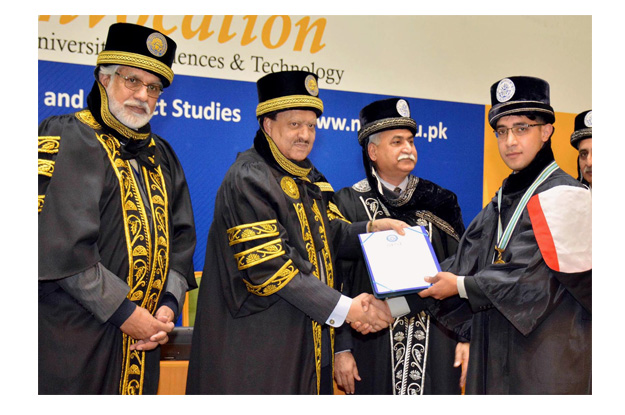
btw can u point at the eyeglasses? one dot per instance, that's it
(518, 130)
(154, 90)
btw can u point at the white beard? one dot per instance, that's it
(127, 117)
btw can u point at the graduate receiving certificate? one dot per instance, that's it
(398, 264)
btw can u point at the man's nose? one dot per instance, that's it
(141, 93)
(511, 139)
(304, 133)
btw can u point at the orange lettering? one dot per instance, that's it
(319, 25)
(272, 36)
(67, 19)
(142, 20)
(94, 20)
(247, 35)
(224, 36)
(204, 29)
(158, 25)
(284, 35)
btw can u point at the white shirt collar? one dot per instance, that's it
(389, 186)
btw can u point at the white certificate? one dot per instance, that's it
(398, 264)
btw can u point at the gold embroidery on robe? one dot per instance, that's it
(49, 144)
(289, 187)
(148, 255)
(312, 258)
(324, 186)
(276, 282)
(251, 231)
(259, 254)
(334, 213)
(45, 167)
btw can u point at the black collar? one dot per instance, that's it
(524, 178)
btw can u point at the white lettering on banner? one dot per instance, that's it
(436, 132)
(63, 99)
(213, 111)
(343, 124)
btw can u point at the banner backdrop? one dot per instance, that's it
(208, 114)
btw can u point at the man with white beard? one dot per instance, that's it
(416, 356)
(116, 229)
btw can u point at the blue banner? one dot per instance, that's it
(208, 121)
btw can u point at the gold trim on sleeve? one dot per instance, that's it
(259, 254)
(251, 231)
(276, 282)
(45, 167)
(49, 144)
(40, 200)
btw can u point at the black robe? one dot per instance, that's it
(267, 285)
(530, 325)
(383, 367)
(81, 224)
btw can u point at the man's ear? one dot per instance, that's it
(267, 125)
(547, 132)
(372, 149)
(104, 79)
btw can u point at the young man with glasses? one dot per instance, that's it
(520, 285)
(116, 229)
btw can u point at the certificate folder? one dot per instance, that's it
(398, 264)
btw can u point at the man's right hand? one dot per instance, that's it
(345, 372)
(142, 325)
(367, 314)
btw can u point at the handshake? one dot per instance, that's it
(367, 314)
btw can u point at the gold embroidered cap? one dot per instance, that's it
(287, 90)
(140, 47)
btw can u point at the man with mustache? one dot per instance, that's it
(267, 307)
(581, 139)
(116, 229)
(520, 285)
(371, 364)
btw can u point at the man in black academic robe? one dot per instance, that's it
(416, 356)
(520, 285)
(581, 139)
(267, 306)
(116, 230)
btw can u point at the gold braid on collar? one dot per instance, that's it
(285, 163)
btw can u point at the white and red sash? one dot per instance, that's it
(562, 221)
